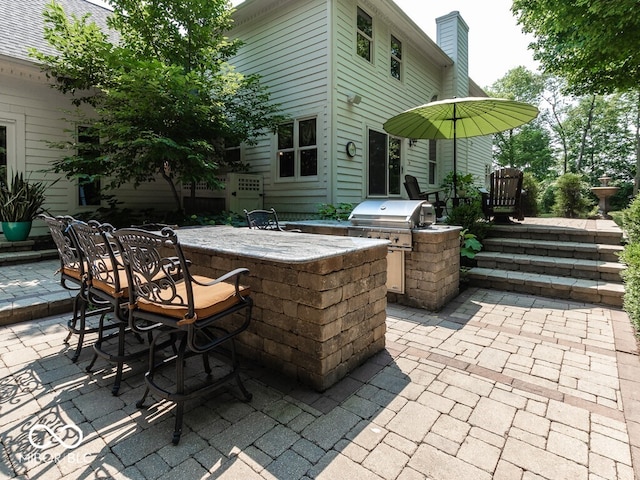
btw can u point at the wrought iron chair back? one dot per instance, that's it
(105, 271)
(194, 311)
(72, 265)
(263, 219)
(107, 281)
(72, 276)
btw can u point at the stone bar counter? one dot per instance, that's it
(431, 269)
(319, 300)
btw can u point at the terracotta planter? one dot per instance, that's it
(16, 231)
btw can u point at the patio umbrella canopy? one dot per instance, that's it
(460, 118)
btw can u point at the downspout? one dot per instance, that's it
(332, 194)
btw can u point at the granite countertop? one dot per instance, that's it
(290, 247)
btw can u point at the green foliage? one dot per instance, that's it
(547, 198)
(341, 211)
(570, 198)
(222, 218)
(622, 198)
(631, 221)
(471, 218)
(469, 244)
(166, 98)
(530, 199)
(464, 183)
(631, 257)
(21, 200)
(594, 45)
(631, 276)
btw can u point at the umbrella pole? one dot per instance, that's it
(455, 155)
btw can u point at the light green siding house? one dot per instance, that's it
(340, 69)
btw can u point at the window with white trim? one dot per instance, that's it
(396, 58)
(364, 37)
(433, 164)
(88, 186)
(3, 154)
(385, 155)
(297, 149)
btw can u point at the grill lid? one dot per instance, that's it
(403, 214)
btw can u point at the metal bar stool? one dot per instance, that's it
(73, 277)
(198, 312)
(107, 281)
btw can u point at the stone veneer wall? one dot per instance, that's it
(312, 321)
(432, 269)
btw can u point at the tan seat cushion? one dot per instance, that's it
(110, 287)
(209, 300)
(72, 272)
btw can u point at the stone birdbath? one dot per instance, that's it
(604, 192)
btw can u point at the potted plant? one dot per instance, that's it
(20, 202)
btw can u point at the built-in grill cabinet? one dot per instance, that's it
(392, 220)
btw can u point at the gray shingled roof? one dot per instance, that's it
(22, 24)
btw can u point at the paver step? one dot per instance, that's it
(593, 291)
(26, 256)
(559, 266)
(576, 250)
(613, 236)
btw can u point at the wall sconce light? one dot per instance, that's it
(413, 142)
(354, 99)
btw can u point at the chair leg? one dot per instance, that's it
(247, 396)
(71, 324)
(179, 390)
(119, 363)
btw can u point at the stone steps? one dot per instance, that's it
(553, 248)
(559, 266)
(561, 262)
(29, 285)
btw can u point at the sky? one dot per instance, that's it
(496, 42)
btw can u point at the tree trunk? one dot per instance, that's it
(585, 131)
(174, 190)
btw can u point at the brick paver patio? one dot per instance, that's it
(497, 385)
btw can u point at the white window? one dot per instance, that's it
(433, 164)
(297, 149)
(396, 58)
(364, 36)
(385, 153)
(88, 186)
(12, 144)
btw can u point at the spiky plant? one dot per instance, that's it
(21, 200)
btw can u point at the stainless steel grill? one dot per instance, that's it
(391, 220)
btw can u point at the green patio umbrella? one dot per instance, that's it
(460, 118)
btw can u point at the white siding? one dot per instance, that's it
(306, 54)
(288, 47)
(382, 96)
(24, 93)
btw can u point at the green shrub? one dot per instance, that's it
(530, 198)
(471, 218)
(570, 199)
(631, 276)
(631, 221)
(622, 198)
(341, 211)
(547, 199)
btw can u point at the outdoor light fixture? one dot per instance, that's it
(354, 99)
(413, 142)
